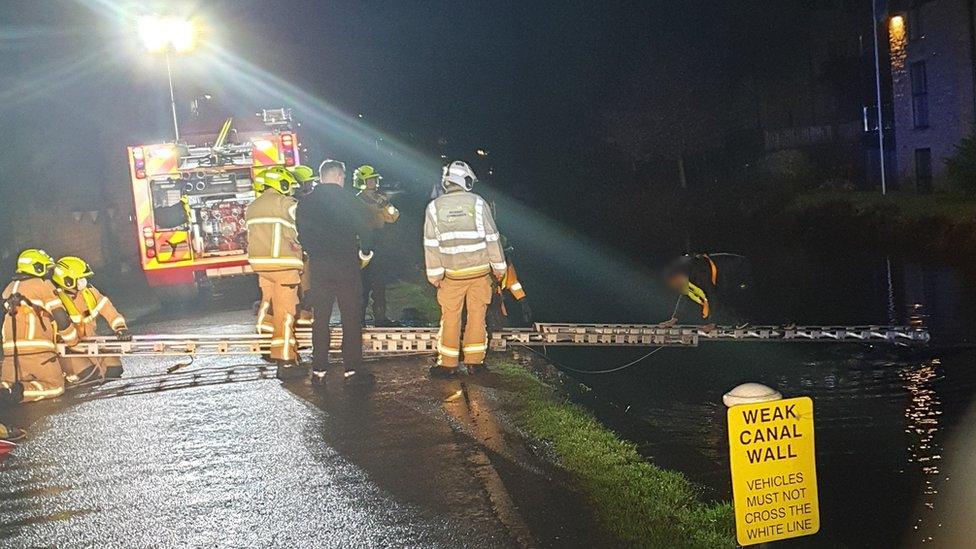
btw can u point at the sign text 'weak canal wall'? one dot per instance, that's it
(774, 472)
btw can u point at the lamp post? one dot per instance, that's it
(167, 35)
(877, 75)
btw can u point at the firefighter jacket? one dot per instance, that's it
(272, 236)
(380, 210)
(460, 238)
(39, 317)
(84, 308)
(511, 283)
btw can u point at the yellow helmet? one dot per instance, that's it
(363, 174)
(276, 178)
(34, 262)
(303, 174)
(69, 271)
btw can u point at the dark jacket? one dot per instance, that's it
(333, 225)
(731, 292)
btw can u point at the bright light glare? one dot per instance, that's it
(159, 33)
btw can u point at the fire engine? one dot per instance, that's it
(190, 200)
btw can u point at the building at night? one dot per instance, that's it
(932, 45)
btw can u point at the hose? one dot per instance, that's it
(607, 371)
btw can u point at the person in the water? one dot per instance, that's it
(718, 283)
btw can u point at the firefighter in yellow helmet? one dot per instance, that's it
(381, 214)
(84, 304)
(276, 256)
(34, 320)
(307, 180)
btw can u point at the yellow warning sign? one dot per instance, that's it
(774, 470)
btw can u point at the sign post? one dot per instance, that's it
(774, 472)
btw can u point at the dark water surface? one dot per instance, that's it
(890, 425)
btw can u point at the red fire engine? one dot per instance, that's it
(190, 200)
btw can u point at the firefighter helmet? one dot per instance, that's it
(34, 262)
(363, 174)
(70, 271)
(276, 178)
(460, 174)
(303, 174)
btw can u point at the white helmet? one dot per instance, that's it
(460, 174)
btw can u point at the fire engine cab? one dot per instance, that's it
(190, 200)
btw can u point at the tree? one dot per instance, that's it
(961, 167)
(666, 111)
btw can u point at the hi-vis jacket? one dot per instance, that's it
(272, 238)
(40, 323)
(86, 306)
(511, 283)
(460, 238)
(380, 210)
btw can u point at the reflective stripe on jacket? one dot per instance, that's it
(272, 236)
(460, 238)
(37, 330)
(86, 306)
(511, 283)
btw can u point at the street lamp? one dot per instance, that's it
(167, 35)
(877, 81)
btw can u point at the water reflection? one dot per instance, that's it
(922, 417)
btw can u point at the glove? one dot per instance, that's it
(364, 259)
(526, 311)
(123, 335)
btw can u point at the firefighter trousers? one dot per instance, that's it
(332, 282)
(454, 296)
(76, 366)
(279, 299)
(39, 372)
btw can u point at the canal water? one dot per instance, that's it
(894, 455)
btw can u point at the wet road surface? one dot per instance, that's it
(222, 454)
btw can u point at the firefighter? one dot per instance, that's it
(33, 322)
(276, 256)
(84, 305)
(461, 250)
(709, 280)
(335, 228)
(307, 180)
(381, 214)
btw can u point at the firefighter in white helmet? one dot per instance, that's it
(34, 321)
(276, 256)
(84, 304)
(462, 251)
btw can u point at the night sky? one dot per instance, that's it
(534, 83)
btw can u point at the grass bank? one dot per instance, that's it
(906, 207)
(417, 295)
(940, 225)
(635, 501)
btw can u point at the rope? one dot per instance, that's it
(607, 371)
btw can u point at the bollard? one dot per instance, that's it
(750, 393)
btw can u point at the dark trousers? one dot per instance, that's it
(374, 283)
(333, 282)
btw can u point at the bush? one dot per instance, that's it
(788, 171)
(961, 167)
